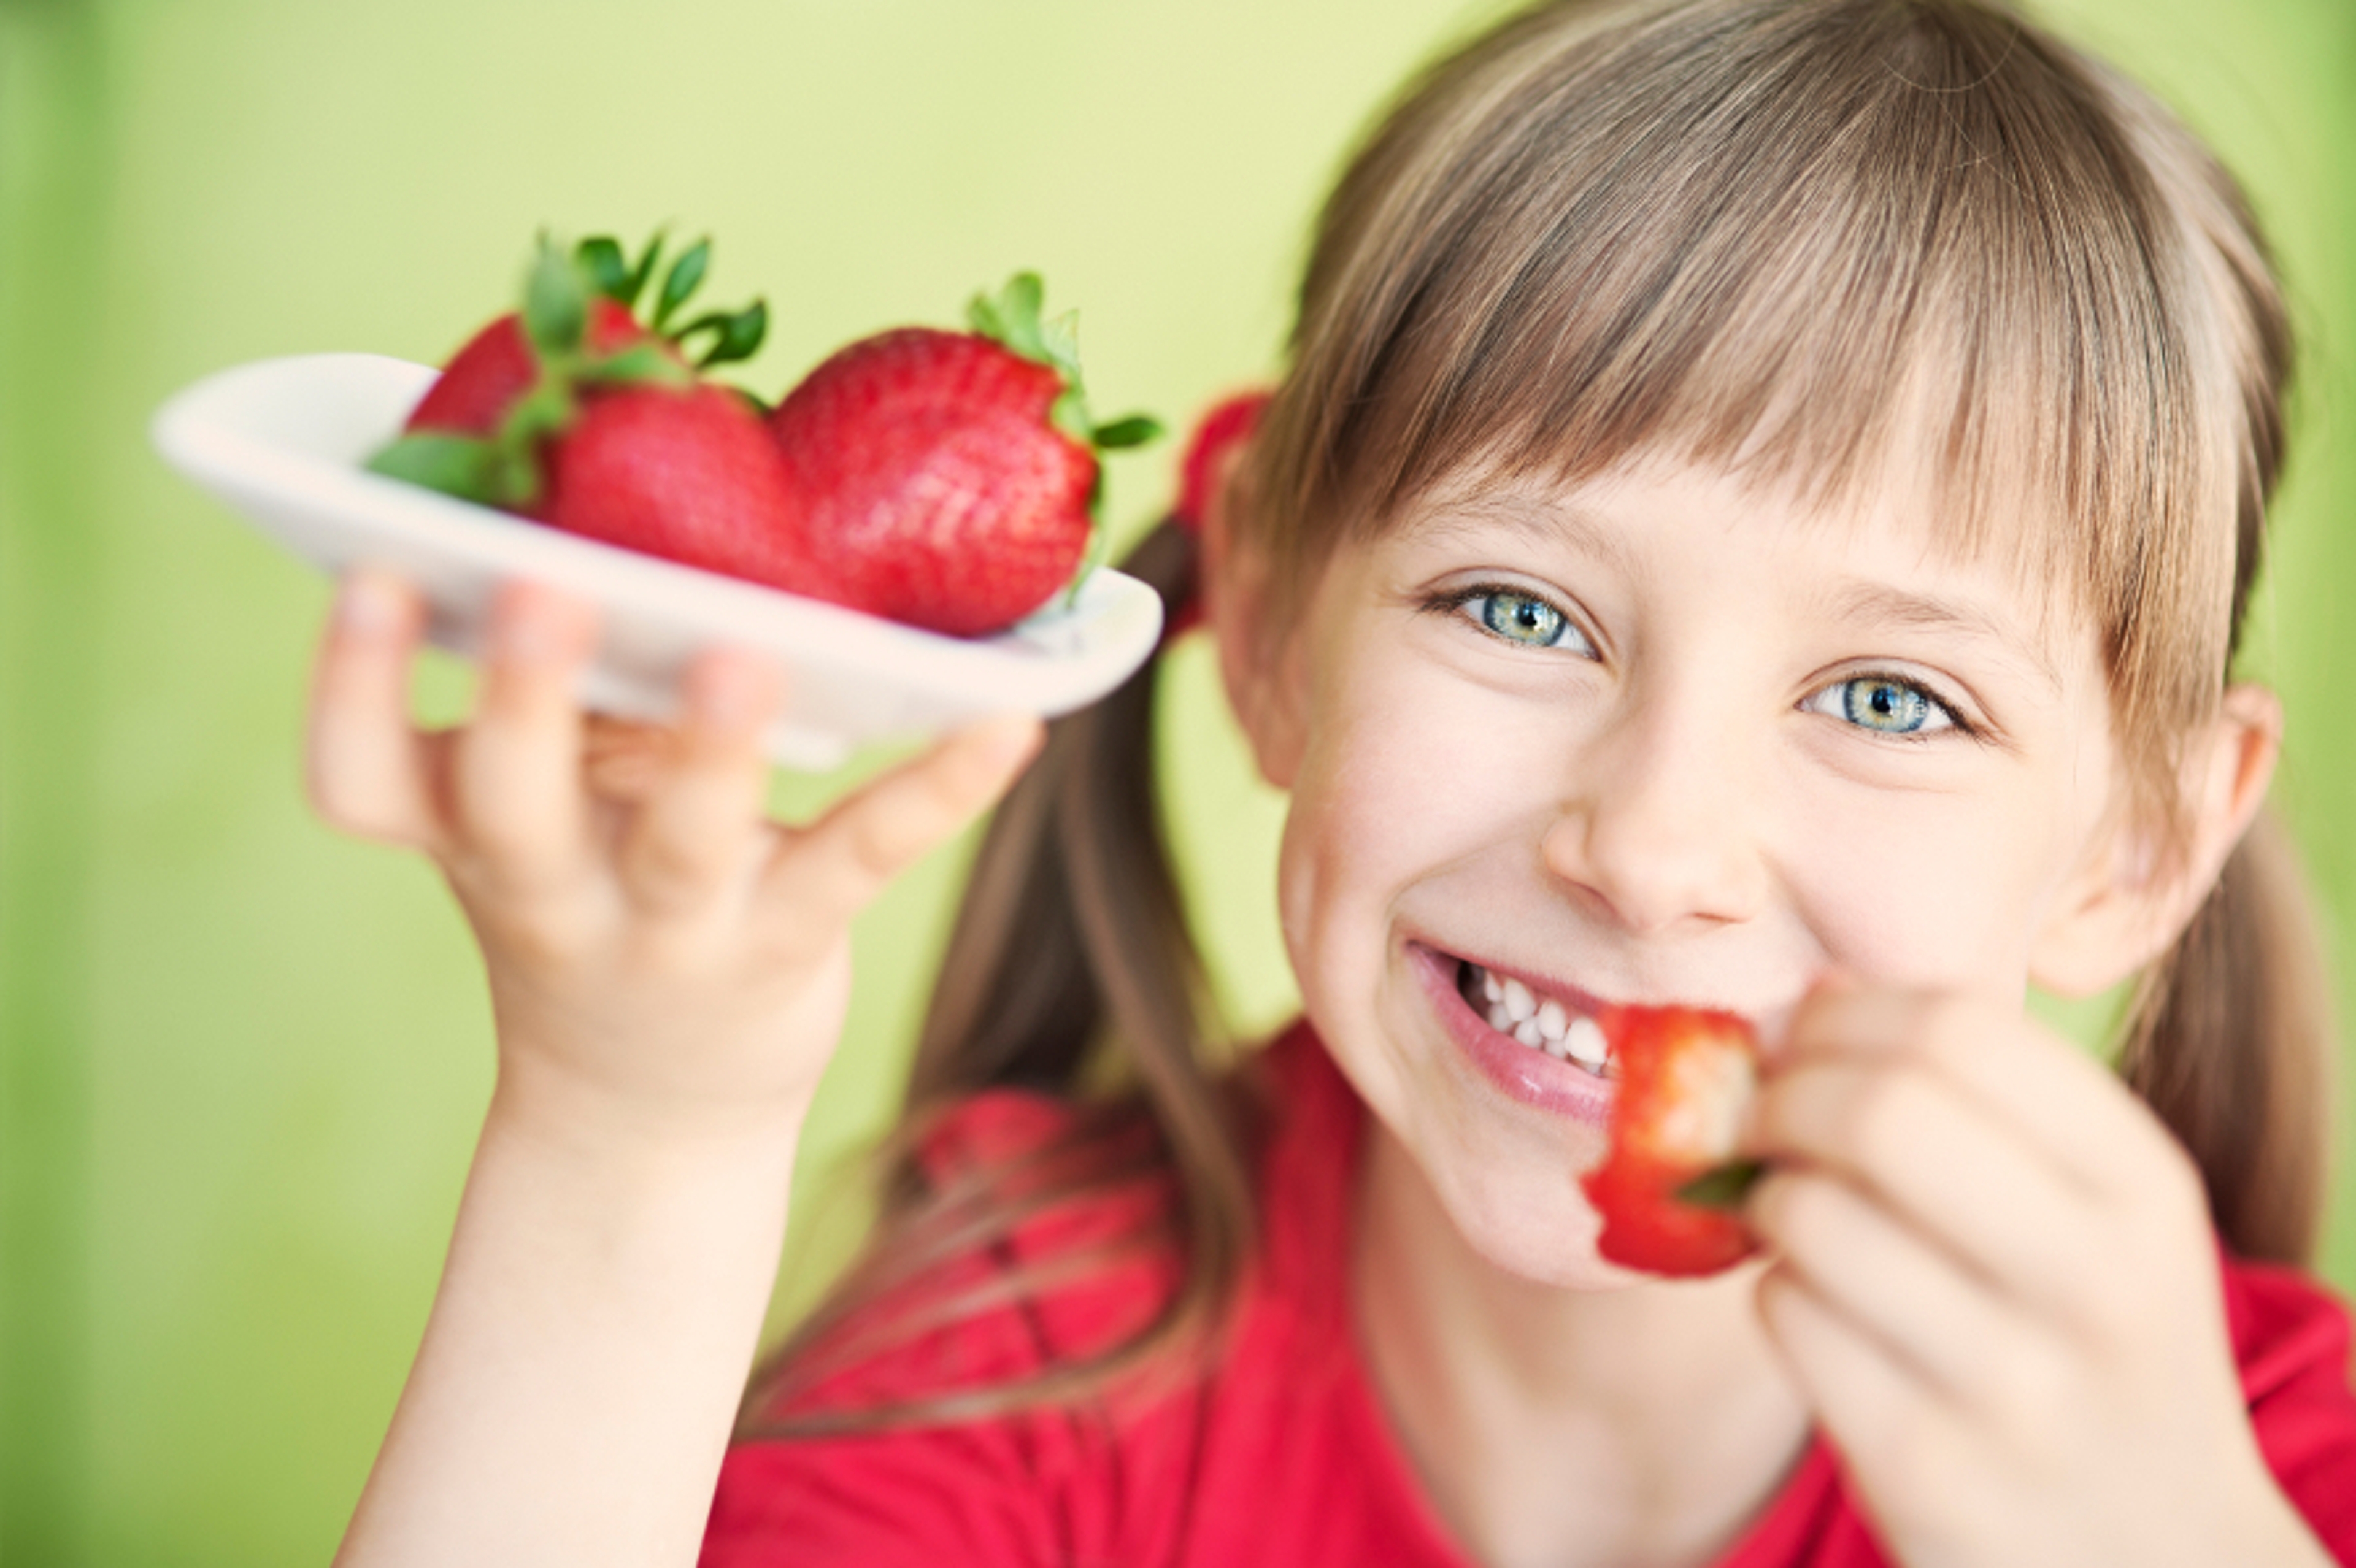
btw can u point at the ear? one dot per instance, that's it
(1259, 662)
(2131, 901)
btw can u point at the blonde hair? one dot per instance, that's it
(1796, 238)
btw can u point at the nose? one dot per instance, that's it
(1657, 830)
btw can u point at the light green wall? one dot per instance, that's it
(242, 1056)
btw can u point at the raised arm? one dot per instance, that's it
(668, 973)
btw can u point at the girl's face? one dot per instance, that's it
(1656, 738)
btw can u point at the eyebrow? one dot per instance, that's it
(1547, 522)
(1881, 604)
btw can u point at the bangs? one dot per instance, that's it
(1813, 245)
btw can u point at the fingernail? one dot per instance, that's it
(368, 604)
(525, 628)
(728, 694)
(1005, 741)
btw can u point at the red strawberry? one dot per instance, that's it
(947, 479)
(1684, 1077)
(573, 413)
(487, 376)
(687, 473)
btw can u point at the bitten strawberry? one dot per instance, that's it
(1665, 1189)
(947, 479)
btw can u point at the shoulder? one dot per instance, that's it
(2287, 1327)
(1095, 1254)
(1017, 1262)
(1045, 1232)
(2291, 1342)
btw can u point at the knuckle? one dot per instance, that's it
(670, 878)
(2181, 1194)
(2033, 1390)
(2113, 1308)
(1914, 1442)
(1882, 1111)
(542, 934)
(1788, 1207)
(358, 813)
(879, 844)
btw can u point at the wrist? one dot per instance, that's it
(621, 1125)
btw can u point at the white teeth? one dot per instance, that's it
(1544, 1024)
(1583, 1042)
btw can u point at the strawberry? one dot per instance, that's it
(497, 366)
(610, 434)
(687, 473)
(947, 479)
(1671, 1177)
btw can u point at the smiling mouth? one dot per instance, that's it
(1535, 1019)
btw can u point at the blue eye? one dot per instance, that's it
(1883, 704)
(1523, 618)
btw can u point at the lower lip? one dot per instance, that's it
(1519, 1071)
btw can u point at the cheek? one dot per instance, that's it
(1403, 775)
(1944, 893)
(1360, 806)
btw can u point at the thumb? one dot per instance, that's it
(837, 866)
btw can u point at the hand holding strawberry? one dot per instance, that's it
(1995, 1280)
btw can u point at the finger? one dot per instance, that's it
(830, 871)
(1867, 1397)
(1892, 1129)
(623, 760)
(2072, 1109)
(701, 829)
(364, 764)
(516, 768)
(1879, 1272)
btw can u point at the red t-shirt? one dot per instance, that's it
(1284, 1454)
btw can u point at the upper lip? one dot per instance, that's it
(1576, 998)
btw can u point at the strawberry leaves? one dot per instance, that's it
(1015, 318)
(561, 292)
(686, 275)
(1724, 1186)
(735, 334)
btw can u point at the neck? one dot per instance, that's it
(1640, 1423)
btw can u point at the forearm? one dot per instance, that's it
(583, 1361)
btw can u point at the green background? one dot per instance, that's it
(243, 1057)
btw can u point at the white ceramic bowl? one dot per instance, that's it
(282, 440)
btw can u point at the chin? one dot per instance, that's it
(1534, 1224)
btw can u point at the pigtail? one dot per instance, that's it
(2228, 1040)
(1070, 971)
(1073, 936)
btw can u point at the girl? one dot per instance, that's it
(1759, 516)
